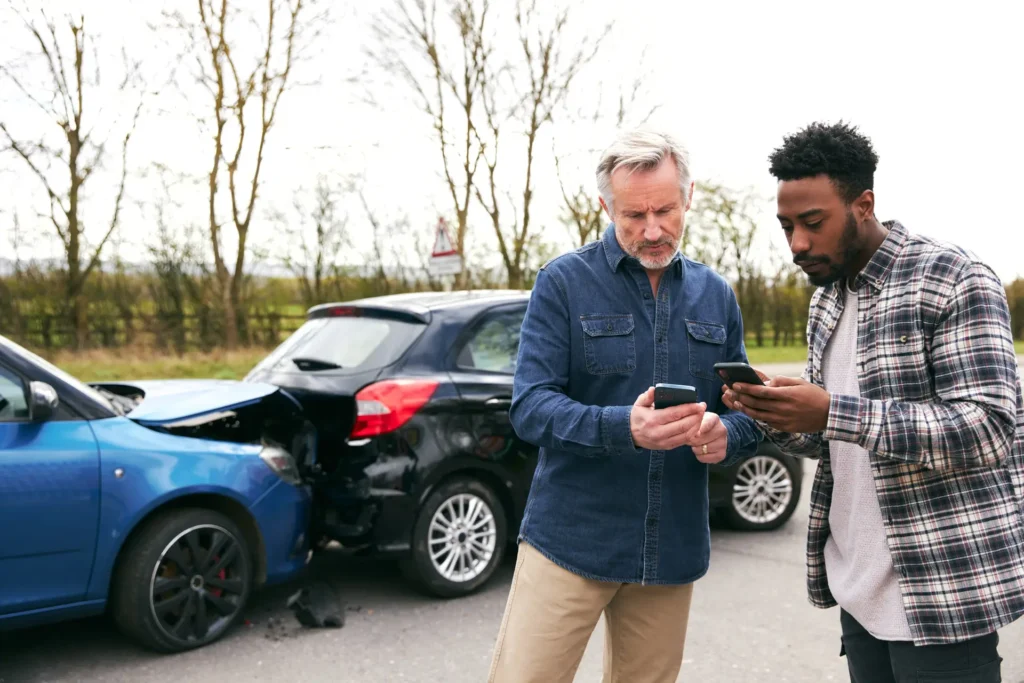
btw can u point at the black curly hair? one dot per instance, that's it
(837, 150)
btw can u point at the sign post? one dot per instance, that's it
(445, 258)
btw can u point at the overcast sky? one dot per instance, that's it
(937, 87)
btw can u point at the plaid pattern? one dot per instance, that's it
(941, 415)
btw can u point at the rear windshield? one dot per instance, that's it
(342, 344)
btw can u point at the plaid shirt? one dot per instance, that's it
(941, 415)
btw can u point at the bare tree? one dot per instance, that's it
(313, 250)
(721, 231)
(448, 85)
(64, 157)
(383, 234)
(539, 83)
(239, 97)
(581, 211)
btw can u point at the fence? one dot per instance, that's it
(169, 332)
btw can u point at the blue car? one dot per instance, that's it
(162, 503)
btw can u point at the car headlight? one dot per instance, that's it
(282, 462)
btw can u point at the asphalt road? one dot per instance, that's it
(750, 622)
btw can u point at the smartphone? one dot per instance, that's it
(668, 395)
(737, 372)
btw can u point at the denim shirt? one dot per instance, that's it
(594, 338)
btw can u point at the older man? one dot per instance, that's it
(617, 519)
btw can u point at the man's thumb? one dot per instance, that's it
(646, 399)
(782, 381)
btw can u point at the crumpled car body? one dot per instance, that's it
(165, 503)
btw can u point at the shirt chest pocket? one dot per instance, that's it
(707, 347)
(609, 343)
(898, 366)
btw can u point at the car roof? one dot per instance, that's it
(434, 301)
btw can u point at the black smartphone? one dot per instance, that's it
(668, 395)
(737, 372)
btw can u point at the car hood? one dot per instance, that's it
(164, 401)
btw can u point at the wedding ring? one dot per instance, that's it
(704, 449)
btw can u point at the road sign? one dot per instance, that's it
(444, 258)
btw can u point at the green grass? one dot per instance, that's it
(125, 364)
(775, 354)
(133, 364)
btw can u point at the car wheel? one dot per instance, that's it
(182, 581)
(459, 539)
(764, 492)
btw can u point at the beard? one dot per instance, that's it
(636, 250)
(836, 270)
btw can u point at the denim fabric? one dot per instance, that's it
(594, 338)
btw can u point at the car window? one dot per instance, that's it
(342, 344)
(494, 345)
(76, 384)
(13, 399)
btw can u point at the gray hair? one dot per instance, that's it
(642, 150)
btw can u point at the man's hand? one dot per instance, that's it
(666, 429)
(787, 404)
(730, 398)
(713, 439)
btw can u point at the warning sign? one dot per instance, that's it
(443, 245)
(445, 259)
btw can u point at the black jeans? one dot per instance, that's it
(877, 661)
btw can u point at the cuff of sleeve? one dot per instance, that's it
(741, 437)
(845, 419)
(616, 433)
(767, 430)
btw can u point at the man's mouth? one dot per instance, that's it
(812, 266)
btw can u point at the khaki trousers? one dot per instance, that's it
(551, 614)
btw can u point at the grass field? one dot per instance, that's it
(107, 365)
(775, 354)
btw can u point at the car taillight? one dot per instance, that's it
(385, 406)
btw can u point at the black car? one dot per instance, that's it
(410, 394)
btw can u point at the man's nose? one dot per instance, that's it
(799, 243)
(652, 228)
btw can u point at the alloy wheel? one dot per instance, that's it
(762, 490)
(198, 584)
(462, 537)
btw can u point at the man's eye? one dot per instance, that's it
(814, 226)
(787, 228)
(634, 216)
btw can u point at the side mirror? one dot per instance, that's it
(43, 401)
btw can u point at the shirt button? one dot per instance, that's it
(661, 339)
(647, 296)
(652, 521)
(609, 327)
(656, 476)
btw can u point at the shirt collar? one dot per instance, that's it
(615, 254)
(877, 271)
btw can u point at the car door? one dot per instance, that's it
(483, 370)
(49, 502)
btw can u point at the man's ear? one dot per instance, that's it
(864, 205)
(606, 209)
(689, 197)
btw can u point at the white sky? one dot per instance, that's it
(937, 86)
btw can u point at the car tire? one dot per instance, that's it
(459, 539)
(182, 581)
(752, 480)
